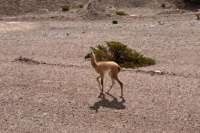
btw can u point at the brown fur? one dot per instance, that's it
(119, 69)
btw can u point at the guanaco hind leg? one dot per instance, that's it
(113, 82)
(120, 83)
(114, 76)
(99, 82)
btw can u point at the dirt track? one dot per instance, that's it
(61, 94)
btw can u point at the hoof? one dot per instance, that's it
(101, 95)
(123, 100)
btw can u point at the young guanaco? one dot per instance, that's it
(110, 67)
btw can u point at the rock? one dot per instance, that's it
(161, 23)
(44, 114)
(158, 72)
(43, 11)
(114, 22)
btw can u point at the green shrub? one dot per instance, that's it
(120, 53)
(81, 6)
(163, 5)
(197, 15)
(65, 8)
(120, 13)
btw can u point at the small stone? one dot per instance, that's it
(43, 11)
(114, 22)
(158, 72)
(44, 114)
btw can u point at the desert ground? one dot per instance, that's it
(47, 86)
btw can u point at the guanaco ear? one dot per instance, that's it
(91, 53)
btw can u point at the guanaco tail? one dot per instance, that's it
(104, 67)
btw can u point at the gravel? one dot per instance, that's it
(54, 89)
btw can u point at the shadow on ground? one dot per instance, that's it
(113, 104)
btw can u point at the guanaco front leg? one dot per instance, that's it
(99, 82)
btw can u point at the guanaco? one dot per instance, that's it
(110, 67)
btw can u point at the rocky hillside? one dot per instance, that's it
(91, 7)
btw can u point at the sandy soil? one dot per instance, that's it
(56, 90)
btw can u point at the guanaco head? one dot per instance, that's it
(88, 55)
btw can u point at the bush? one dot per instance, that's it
(163, 5)
(120, 53)
(197, 15)
(120, 13)
(65, 8)
(81, 6)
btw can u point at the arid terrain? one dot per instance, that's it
(46, 85)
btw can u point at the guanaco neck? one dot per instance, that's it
(93, 61)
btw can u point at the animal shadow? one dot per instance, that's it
(113, 104)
